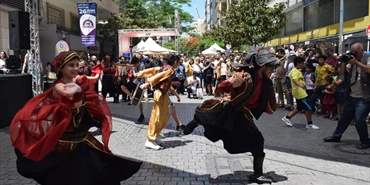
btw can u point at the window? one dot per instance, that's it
(75, 22)
(355, 9)
(55, 15)
(319, 14)
(294, 24)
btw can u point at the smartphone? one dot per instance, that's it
(327, 50)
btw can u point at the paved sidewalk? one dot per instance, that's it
(293, 155)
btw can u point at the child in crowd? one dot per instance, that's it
(339, 93)
(299, 93)
(310, 78)
(329, 100)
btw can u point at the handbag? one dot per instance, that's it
(180, 76)
(199, 93)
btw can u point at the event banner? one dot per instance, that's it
(87, 14)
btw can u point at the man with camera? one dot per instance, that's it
(356, 67)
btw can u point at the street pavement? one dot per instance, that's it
(294, 155)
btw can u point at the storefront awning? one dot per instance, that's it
(360, 37)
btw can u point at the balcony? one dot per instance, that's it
(105, 8)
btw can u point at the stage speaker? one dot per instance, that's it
(13, 62)
(19, 30)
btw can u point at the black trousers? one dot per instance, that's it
(108, 85)
(317, 93)
(181, 88)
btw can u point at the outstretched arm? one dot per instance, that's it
(67, 90)
(147, 72)
(96, 77)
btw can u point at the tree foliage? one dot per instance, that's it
(193, 45)
(143, 14)
(249, 22)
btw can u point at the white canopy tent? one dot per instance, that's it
(151, 47)
(213, 50)
(138, 47)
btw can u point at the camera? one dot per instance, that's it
(345, 58)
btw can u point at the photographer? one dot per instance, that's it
(357, 104)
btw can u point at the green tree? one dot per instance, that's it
(193, 50)
(250, 22)
(143, 14)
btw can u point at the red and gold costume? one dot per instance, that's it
(53, 143)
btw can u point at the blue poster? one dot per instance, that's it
(87, 20)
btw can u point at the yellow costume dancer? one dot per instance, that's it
(161, 80)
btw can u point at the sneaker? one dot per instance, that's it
(335, 118)
(152, 145)
(260, 179)
(312, 126)
(141, 118)
(287, 121)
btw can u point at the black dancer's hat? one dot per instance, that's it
(259, 57)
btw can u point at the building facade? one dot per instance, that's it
(207, 12)
(317, 21)
(200, 27)
(217, 6)
(59, 20)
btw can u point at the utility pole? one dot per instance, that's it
(341, 14)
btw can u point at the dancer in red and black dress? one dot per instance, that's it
(51, 136)
(249, 94)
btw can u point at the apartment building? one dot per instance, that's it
(317, 21)
(207, 12)
(59, 20)
(217, 6)
(200, 27)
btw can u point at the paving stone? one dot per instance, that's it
(293, 155)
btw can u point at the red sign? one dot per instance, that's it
(368, 31)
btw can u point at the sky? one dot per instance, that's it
(192, 10)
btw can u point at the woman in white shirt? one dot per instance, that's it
(2, 59)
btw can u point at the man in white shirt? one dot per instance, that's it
(193, 82)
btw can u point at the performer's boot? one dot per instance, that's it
(189, 128)
(258, 176)
(115, 98)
